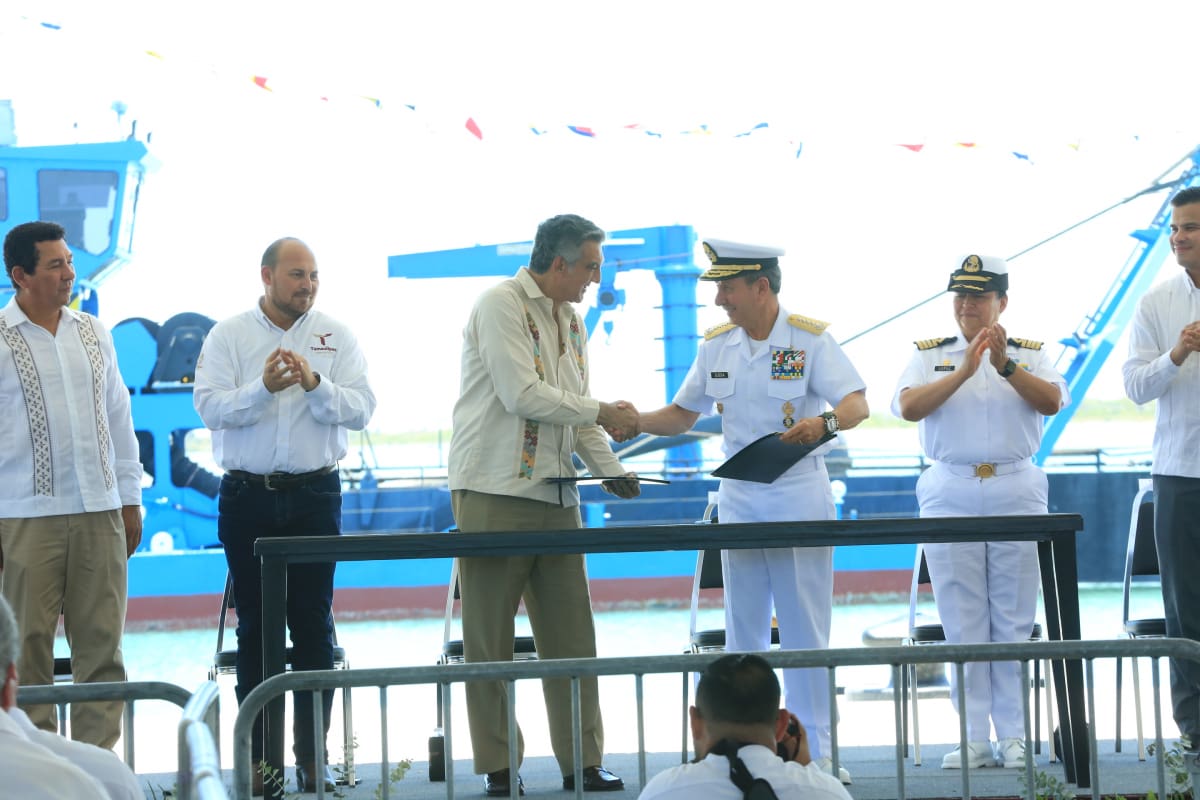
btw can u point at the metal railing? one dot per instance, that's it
(895, 657)
(199, 771)
(128, 691)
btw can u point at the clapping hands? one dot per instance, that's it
(285, 368)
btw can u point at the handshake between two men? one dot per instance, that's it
(622, 422)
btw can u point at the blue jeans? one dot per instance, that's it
(248, 512)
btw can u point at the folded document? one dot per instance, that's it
(765, 459)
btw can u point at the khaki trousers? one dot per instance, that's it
(74, 565)
(555, 590)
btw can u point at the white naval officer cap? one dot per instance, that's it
(977, 274)
(733, 258)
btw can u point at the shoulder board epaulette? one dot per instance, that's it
(717, 330)
(807, 324)
(1028, 344)
(929, 344)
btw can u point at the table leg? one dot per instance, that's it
(1060, 589)
(274, 612)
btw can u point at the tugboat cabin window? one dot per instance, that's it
(83, 202)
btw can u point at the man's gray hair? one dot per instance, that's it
(10, 640)
(564, 236)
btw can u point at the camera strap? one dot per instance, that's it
(752, 788)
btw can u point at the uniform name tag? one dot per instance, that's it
(718, 374)
(943, 368)
(787, 365)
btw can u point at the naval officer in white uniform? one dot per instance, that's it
(767, 371)
(981, 398)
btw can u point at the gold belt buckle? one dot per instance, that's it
(985, 470)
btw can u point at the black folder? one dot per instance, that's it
(765, 459)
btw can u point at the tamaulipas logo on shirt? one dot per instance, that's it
(323, 338)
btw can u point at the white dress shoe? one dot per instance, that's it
(979, 754)
(1010, 753)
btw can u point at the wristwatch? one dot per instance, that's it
(1010, 367)
(831, 422)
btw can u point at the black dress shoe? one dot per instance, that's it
(595, 779)
(497, 784)
(306, 778)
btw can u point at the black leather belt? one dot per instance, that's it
(280, 481)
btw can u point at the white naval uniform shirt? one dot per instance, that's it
(66, 436)
(1150, 374)
(985, 420)
(796, 375)
(292, 430)
(524, 404)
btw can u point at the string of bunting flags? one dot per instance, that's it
(440, 120)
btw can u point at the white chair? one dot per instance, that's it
(1141, 559)
(930, 631)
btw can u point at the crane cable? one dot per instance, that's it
(1156, 186)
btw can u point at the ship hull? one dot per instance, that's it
(183, 588)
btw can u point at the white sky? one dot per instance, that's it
(870, 227)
